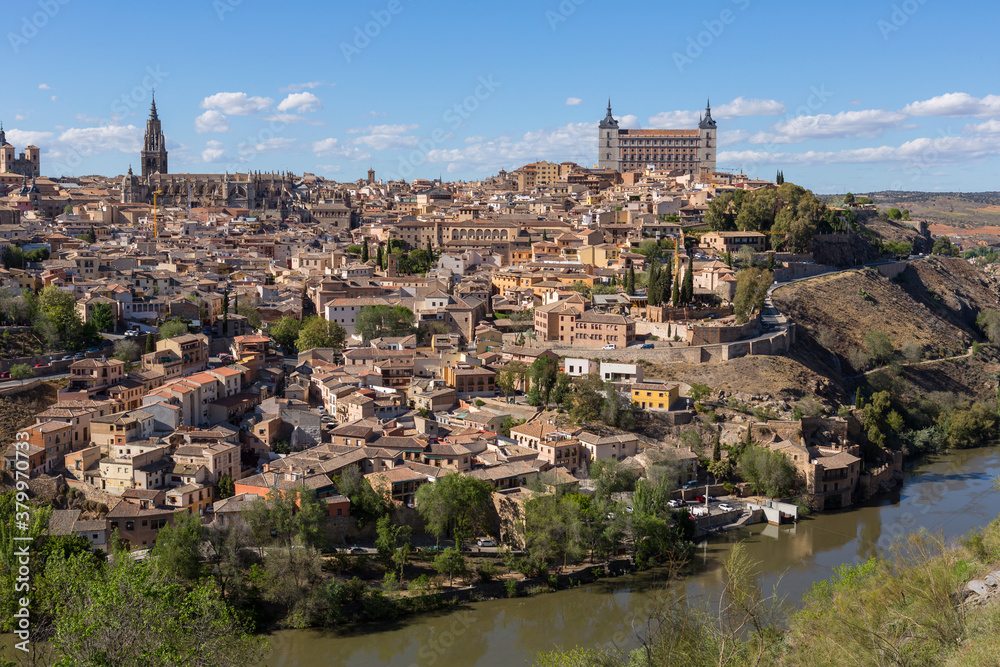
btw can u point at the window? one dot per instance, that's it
(129, 525)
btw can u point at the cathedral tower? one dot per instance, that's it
(154, 146)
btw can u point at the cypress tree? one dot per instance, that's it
(430, 250)
(150, 342)
(687, 289)
(378, 256)
(676, 295)
(630, 282)
(717, 449)
(545, 237)
(364, 251)
(653, 286)
(666, 279)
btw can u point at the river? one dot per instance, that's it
(952, 493)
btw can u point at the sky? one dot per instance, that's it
(849, 96)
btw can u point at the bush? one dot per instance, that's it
(487, 571)
(480, 402)
(510, 586)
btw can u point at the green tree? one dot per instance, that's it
(317, 332)
(630, 281)
(21, 372)
(849, 198)
(454, 503)
(378, 257)
(553, 529)
(104, 609)
(717, 448)
(377, 321)
(177, 554)
(880, 348)
(699, 392)
(172, 329)
(894, 213)
(393, 542)
(510, 376)
(450, 562)
(367, 505)
(285, 332)
(364, 251)
(687, 286)
(103, 317)
(768, 472)
(58, 307)
(225, 311)
(543, 374)
(675, 294)
(226, 487)
(587, 399)
(751, 290)
(988, 322)
(943, 246)
(127, 350)
(150, 342)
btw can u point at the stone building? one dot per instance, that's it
(689, 151)
(26, 164)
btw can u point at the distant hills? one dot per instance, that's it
(956, 209)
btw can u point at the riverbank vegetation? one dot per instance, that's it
(905, 608)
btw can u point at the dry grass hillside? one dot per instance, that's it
(19, 410)
(763, 377)
(928, 311)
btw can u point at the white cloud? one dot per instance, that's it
(211, 121)
(236, 104)
(730, 137)
(334, 148)
(475, 139)
(330, 168)
(20, 116)
(866, 123)
(924, 152)
(574, 142)
(991, 126)
(573, 101)
(21, 138)
(673, 119)
(628, 122)
(300, 102)
(273, 144)
(296, 87)
(956, 104)
(741, 108)
(213, 151)
(54, 98)
(94, 140)
(44, 86)
(385, 137)
(377, 114)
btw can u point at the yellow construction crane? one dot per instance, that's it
(156, 227)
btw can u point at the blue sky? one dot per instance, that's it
(841, 96)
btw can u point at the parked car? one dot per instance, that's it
(68, 357)
(677, 502)
(691, 484)
(485, 542)
(357, 551)
(42, 365)
(726, 507)
(5, 375)
(646, 346)
(609, 346)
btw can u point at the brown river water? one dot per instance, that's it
(951, 493)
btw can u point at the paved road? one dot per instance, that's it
(15, 383)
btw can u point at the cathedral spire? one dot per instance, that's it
(152, 108)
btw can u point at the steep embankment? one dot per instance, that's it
(928, 311)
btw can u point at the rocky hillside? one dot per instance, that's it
(928, 311)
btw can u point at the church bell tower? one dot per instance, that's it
(154, 146)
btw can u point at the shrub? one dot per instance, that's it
(510, 586)
(487, 571)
